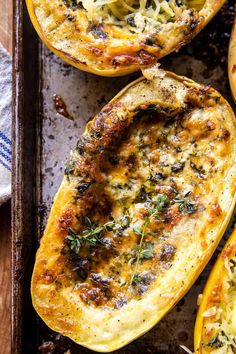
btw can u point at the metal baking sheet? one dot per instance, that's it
(43, 139)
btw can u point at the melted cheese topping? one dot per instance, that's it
(115, 35)
(137, 16)
(139, 212)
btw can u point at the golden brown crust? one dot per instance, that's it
(110, 50)
(142, 187)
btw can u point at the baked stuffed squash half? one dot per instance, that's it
(116, 37)
(232, 62)
(146, 197)
(215, 330)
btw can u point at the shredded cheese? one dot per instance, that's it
(137, 15)
(210, 312)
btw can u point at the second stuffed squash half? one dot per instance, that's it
(117, 37)
(145, 200)
(232, 61)
(215, 329)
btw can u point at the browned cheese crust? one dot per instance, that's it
(107, 45)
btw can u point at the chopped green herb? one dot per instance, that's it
(162, 202)
(213, 342)
(80, 145)
(73, 4)
(174, 190)
(131, 22)
(70, 17)
(83, 186)
(124, 221)
(136, 279)
(150, 41)
(123, 224)
(69, 170)
(156, 177)
(142, 197)
(123, 283)
(199, 170)
(185, 205)
(160, 205)
(167, 252)
(98, 32)
(177, 167)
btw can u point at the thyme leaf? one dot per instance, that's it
(185, 205)
(147, 252)
(146, 222)
(91, 235)
(160, 205)
(76, 240)
(198, 170)
(136, 279)
(137, 230)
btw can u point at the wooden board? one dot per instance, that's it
(5, 210)
(6, 24)
(5, 278)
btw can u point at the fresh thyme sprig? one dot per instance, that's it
(141, 233)
(91, 235)
(161, 204)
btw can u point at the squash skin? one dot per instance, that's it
(52, 239)
(232, 62)
(216, 274)
(174, 44)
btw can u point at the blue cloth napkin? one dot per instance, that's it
(5, 124)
